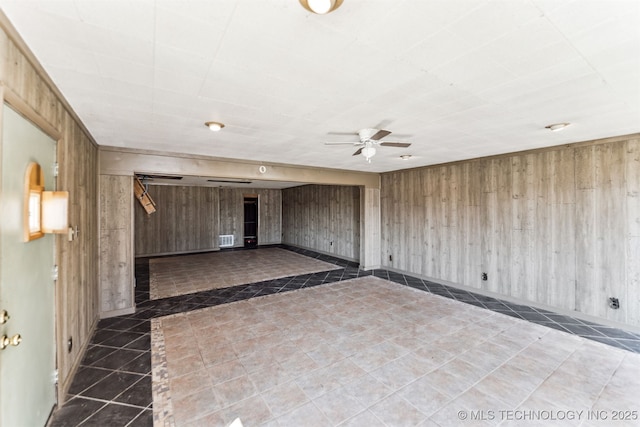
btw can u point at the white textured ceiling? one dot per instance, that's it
(457, 78)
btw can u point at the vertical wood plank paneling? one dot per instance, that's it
(186, 220)
(323, 218)
(558, 227)
(632, 297)
(77, 297)
(116, 252)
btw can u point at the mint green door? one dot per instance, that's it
(27, 385)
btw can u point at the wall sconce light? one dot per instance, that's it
(55, 212)
(44, 211)
(321, 7)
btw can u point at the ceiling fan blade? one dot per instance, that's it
(380, 134)
(341, 143)
(396, 144)
(358, 152)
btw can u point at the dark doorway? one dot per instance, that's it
(250, 222)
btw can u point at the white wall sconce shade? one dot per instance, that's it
(55, 212)
(321, 7)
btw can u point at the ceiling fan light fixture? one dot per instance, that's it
(214, 126)
(321, 7)
(368, 153)
(557, 126)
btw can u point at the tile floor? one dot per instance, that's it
(172, 276)
(120, 351)
(366, 352)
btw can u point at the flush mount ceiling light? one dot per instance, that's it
(321, 7)
(405, 156)
(557, 126)
(214, 126)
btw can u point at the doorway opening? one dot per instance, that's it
(250, 221)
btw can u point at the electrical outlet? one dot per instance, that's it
(484, 276)
(614, 303)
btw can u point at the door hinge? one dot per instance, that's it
(56, 169)
(54, 273)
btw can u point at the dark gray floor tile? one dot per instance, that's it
(86, 377)
(145, 419)
(112, 415)
(117, 359)
(141, 364)
(111, 386)
(121, 339)
(138, 394)
(142, 343)
(73, 412)
(95, 353)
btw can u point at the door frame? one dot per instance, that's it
(12, 99)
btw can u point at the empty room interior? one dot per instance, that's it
(320, 213)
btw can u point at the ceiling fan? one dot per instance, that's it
(369, 139)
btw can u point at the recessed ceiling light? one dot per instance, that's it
(214, 126)
(321, 7)
(405, 156)
(557, 126)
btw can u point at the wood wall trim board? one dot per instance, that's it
(114, 313)
(323, 252)
(119, 161)
(163, 254)
(24, 109)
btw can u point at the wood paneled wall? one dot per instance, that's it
(557, 227)
(190, 219)
(269, 214)
(186, 220)
(116, 245)
(324, 218)
(27, 88)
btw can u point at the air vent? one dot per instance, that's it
(225, 241)
(229, 181)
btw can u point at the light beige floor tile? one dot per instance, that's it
(306, 415)
(365, 418)
(225, 371)
(196, 405)
(189, 383)
(338, 405)
(252, 412)
(284, 398)
(395, 411)
(422, 396)
(367, 390)
(234, 390)
(269, 377)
